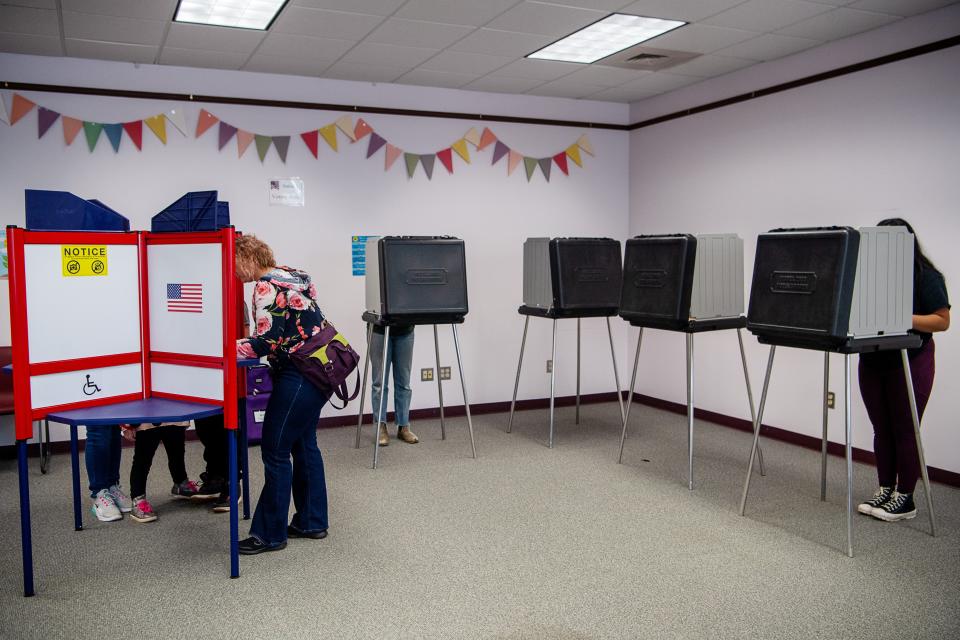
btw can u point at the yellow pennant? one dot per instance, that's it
(329, 134)
(473, 138)
(158, 125)
(460, 146)
(584, 144)
(573, 151)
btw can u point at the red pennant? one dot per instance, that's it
(135, 131)
(561, 160)
(205, 121)
(311, 138)
(446, 158)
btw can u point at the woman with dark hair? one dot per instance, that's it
(885, 394)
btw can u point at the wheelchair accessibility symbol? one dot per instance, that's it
(90, 387)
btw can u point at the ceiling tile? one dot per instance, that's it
(769, 46)
(606, 76)
(30, 44)
(111, 51)
(687, 10)
(566, 88)
(700, 38)
(374, 53)
(507, 43)
(415, 33)
(373, 7)
(503, 84)
(467, 12)
(36, 4)
(430, 78)
(711, 65)
(838, 23)
(599, 5)
(287, 65)
(364, 72)
(326, 24)
(87, 26)
(661, 81)
(201, 58)
(542, 70)
(460, 62)
(207, 38)
(141, 9)
(623, 94)
(900, 7)
(545, 19)
(767, 15)
(39, 22)
(297, 46)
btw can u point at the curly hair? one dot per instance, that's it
(253, 255)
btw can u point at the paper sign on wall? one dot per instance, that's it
(359, 254)
(286, 192)
(83, 260)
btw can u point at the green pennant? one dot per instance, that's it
(92, 131)
(411, 159)
(263, 145)
(529, 164)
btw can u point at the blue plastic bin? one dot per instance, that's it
(195, 211)
(64, 211)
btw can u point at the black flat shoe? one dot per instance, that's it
(252, 546)
(293, 532)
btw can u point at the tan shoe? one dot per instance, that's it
(383, 439)
(407, 436)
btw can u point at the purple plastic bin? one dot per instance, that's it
(256, 409)
(259, 381)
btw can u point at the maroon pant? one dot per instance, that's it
(885, 395)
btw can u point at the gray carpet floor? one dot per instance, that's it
(524, 542)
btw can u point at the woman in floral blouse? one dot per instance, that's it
(285, 314)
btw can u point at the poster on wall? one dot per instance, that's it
(3, 257)
(358, 254)
(286, 192)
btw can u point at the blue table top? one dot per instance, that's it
(136, 412)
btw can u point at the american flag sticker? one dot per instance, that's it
(184, 298)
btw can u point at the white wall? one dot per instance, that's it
(851, 150)
(347, 195)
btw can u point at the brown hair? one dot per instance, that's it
(253, 255)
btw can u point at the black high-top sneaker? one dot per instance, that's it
(879, 498)
(899, 507)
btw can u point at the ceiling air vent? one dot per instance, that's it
(641, 58)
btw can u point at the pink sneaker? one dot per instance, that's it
(142, 510)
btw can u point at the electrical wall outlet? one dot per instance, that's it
(549, 366)
(426, 375)
(444, 373)
(831, 400)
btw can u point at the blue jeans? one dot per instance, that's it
(102, 457)
(400, 360)
(290, 430)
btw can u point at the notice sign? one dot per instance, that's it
(83, 260)
(286, 192)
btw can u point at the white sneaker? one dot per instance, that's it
(122, 500)
(105, 508)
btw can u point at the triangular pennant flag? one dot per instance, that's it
(45, 120)
(92, 131)
(427, 162)
(499, 151)
(263, 145)
(3, 111)
(460, 146)
(205, 121)
(472, 137)
(329, 134)
(244, 139)
(227, 131)
(375, 143)
(71, 127)
(545, 164)
(529, 164)
(512, 161)
(281, 144)
(573, 151)
(486, 139)
(21, 107)
(114, 134)
(361, 129)
(391, 156)
(178, 119)
(135, 131)
(411, 159)
(584, 144)
(446, 159)
(345, 124)
(311, 138)
(158, 124)
(561, 160)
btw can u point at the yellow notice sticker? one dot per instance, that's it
(84, 260)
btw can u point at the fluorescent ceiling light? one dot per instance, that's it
(244, 14)
(604, 38)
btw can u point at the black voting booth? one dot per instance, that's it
(835, 290)
(569, 278)
(415, 280)
(689, 284)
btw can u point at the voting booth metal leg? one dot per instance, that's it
(756, 427)
(690, 411)
(436, 350)
(616, 374)
(516, 384)
(383, 398)
(363, 385)
(848, 427)
(463, 384)
(26, 537)
(244, 459)
(633, 382)
(75, 471)
(753, 412)
(578, 371)
(553, 380)
(823, 443)
(43, 433)
(908, 378)
(234, 524)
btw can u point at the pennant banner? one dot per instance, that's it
(391, 156)
(446, 159)
(45, 120)
(263, 145)
(205, 121)
(71, 127)
(114, 134)
(158, 124)
(244, 139)
(3, 111)
(281, 144)
(362, 129)
(226, 133)
(329, 134)
(427, 162)
(411, 159)
(311, 139)
(92, 131)
(135, 132)
(21, 107)
(375, 143)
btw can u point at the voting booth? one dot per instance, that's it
(569, 278)
(121, 327)
(840, 290)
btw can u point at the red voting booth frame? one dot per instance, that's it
(24, 369)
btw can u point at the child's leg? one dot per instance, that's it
(145, 446)
(174, 443)
(101, 455)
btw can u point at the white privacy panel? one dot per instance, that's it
(86, 384)
(186, 298)
(199, 382)
(71, 317)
